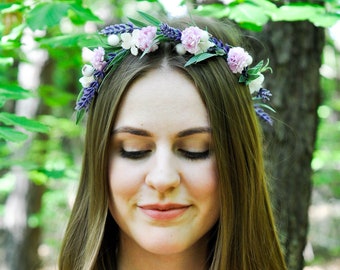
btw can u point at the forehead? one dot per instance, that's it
(162, 97)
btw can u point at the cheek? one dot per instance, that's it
(124, 180)
(203, 181)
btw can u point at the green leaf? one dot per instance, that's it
(216, 10)
(79, 116)
(137, 23)
(45, 15)
(53, 173)
(297, 12)
(54, 97)
(256, 69)
(12, 135)
(80, 15)
(71, 40)
(250, 26)
(28, 124)
(198, 58)
(266, 106)
(13, 91)
(6, 61)
(325, 20)
(149, 18)
(15, 34)
(4, 6)
(248, 13)
(10, 8)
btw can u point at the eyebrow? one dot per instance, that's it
(144, 133)
(131, 130)
(192, 131)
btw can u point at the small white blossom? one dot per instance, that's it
(86, 81)
(256, 84)
(113, 40)
(87, 70)
(205, 45)
(87, 54)
(130, 41)
(180, 49)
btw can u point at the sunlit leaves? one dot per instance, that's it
(49, 14)
(254, 14)
(305, 11)
(45, 15)
(12, 135)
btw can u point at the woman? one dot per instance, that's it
(173, 173)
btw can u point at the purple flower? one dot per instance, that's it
(220, 44)
(238, 59)
(263, 115)
(117, 29)
(195, 40)
(145, 40)
(97, 60)
(170, 32)
(264, 94)
(87, 97)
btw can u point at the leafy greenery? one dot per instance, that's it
(53, 156)
(254, 14)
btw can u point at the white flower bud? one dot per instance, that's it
(86, 81)
(113, 40)
(180, 49)
(204, 36)
(87, 70)
(249, 60)
(256, 84)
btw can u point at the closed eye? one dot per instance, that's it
(134, 154)
(194, 155)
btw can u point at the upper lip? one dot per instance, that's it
(163, 207)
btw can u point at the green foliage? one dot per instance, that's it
(254, 14)
(53, 156)
(48, 14)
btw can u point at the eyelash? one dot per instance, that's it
(195, 155)
(135, 155)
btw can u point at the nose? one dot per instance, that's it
(163, 174)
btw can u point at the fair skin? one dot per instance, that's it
(162, 175)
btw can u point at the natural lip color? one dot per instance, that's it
(163, 211)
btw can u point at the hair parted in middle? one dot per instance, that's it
(244, 236)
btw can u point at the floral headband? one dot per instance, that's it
(135, 36)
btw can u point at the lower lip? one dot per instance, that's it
(165, 214)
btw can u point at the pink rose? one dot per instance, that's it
(97, 60)
(196, 40)
(238, 59)
(191, 37)
(146, 37)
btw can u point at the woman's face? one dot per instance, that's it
(162, 173)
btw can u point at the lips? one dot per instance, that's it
(164, 211)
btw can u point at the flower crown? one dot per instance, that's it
(135, 36)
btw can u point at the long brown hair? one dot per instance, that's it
(245, 236)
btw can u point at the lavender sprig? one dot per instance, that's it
(264, 94)
(87, 96)
(263, 115)
(219, 44)
(117, 29)
(170, 32)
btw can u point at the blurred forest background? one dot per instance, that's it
(41, 146)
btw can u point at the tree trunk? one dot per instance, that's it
(296, 49)
(22, 237)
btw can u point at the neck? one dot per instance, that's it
(131, 256)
